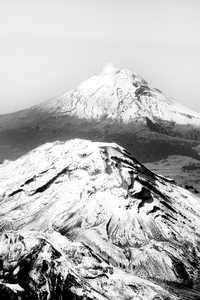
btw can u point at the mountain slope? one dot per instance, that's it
(185, 170)
(85, 220)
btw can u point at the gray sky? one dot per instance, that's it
(49, 46)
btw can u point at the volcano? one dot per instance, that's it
(86, 220)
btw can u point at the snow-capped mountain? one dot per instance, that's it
(85, 220)
(114, 106)
(123, 96)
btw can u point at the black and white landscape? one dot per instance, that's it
(99, 161)
(81, 217)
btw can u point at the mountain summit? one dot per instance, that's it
(122, 95)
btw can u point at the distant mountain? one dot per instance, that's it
(114, 106)
(85, 220)
(122, 96)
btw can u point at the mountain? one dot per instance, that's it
(122, 96)
(86, 220)
(115, 106)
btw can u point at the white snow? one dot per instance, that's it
(114, 94)
(137, 223)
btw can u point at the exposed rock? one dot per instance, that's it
(85, 220)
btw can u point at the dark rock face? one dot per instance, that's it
(85, 220)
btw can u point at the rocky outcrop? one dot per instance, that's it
(85, 220)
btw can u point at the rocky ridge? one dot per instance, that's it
(85, 220)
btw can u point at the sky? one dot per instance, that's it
(50, 46)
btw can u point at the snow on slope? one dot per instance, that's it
(89, 218)
(120, 95)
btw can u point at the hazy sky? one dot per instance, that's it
(48, 46)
